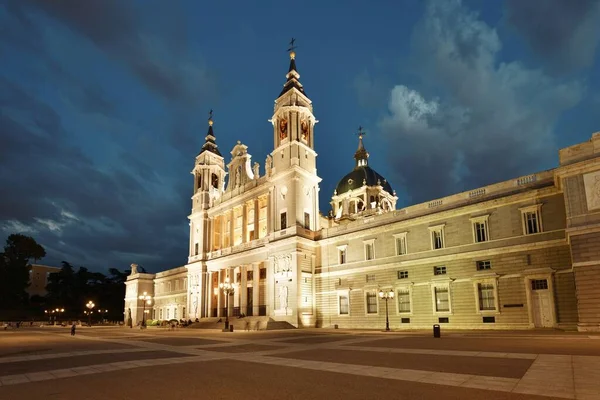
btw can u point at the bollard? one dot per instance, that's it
(231, 328)
(436, 331)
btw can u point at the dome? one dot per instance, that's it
(354, 180)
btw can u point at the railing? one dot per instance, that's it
(477, 193)
(262, 310)
(214, 312)
(249, 310)
(235, 312)
(435, 203)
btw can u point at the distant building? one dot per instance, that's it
(524, 253)
(38, 279)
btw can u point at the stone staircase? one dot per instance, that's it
(241, 324)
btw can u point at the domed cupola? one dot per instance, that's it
(362, 191)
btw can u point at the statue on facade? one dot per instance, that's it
(255, 170)
(283, 297)
(268, 165)
(134, 269)
(129, 320)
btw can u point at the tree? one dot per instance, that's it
(14, 269)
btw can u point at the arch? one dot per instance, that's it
(386, 205)
(214, 180)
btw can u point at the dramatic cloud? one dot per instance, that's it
(490, 120)
(565, 32)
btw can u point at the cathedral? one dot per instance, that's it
(519, 254)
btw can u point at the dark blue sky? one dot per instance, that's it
(103, 104)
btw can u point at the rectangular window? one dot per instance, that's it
(531, 222)
(183, 313)
(371, 278)
(238, 277)
(369, 251)
(402, 274)
(442, 299)
(342, 255)
(168, 313)
(160, 314)
(403, 300)
(195, 249)
(438, 241)
(401, 245)
(439, 270)
(249, 275)
(480, 232)
(371, 303)
(175, 313)
(306, 220)
(263, 273)
(283, 220)
(344, 305)
(539, 284)
(483, 265)
(486, 296)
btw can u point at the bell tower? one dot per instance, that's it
(209, 183)
(293, 159)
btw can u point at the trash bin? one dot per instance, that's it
(436, 331)
(231, 328)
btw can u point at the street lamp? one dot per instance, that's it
(386, 295)
(228, 289)
(146, 299)
(90, 305)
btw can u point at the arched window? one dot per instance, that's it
(215, 181)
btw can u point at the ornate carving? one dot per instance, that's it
(134, 269)
(268, 165)
(255, 170)
(283, 297)
(592, 189)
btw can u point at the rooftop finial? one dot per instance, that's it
(210, 117)
(361, 154)
(292, 48)
(361, 132)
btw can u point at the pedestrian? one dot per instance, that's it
(73, 329)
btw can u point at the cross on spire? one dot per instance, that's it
(292, 45)
(361, 132)
(210, 114)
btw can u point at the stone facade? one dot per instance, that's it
(519, 254)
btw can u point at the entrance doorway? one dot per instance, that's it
(249, 298)
(541, 303)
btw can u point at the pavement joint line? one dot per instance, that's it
(36, 357)
(458, 353)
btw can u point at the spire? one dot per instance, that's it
(361, 156)
(293, 77)
(210, 139)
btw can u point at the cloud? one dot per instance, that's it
(565, 32)
(58, 194)
(476, 120)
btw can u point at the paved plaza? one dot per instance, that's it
(122, 363)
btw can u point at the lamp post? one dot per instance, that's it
(90, 305)
(146, 299)
(228, 289)
(386, 295)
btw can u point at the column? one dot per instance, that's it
(270, 217)
(207, 295)
(222, 231)
(219, 296)
(209, 235)
(245, 223)
(255, 288)
(231, 229)
(243, 290)
(269, 287)
(231, 298)
(256, 218)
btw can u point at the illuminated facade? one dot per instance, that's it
(518, 254)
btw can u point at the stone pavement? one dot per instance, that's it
(476, 364)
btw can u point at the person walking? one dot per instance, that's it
(73, 329)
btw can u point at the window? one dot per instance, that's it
(283, 220)
(168, 313)
(371, 278)
(439, 270)
(344, 304)
(238, 277)
(480, 229)
(404, 300)
(306, 220)
(249, 275)
(400, 244)
(195, 249)
(539, 284)
(175, 313)
(483, 265)
(183, 313)
(371, 303)
(532, 219)
(442, 299)
(402, 274)
(342, 254)
(487, 299)
(437, 237)
(369, 249)
(160, 314)
(263, 273)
